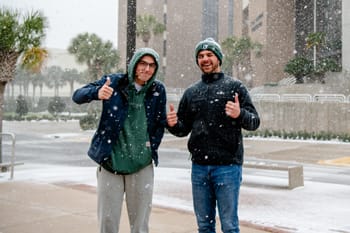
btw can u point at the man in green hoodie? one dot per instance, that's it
(126, 142)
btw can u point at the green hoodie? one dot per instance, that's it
(132, 150)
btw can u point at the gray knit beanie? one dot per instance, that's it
(209, 44)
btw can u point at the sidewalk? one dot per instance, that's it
(29, 207)
(45, 198)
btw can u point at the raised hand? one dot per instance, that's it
(233, 109)
(171, 116)
(105, 91)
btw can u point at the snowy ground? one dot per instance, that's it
(318, 207)
(315, 208)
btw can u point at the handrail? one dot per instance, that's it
(13, 137)
(340, 98)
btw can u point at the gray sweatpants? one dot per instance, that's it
(138, 190)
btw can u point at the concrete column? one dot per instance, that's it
(346, 35)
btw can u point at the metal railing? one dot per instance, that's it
(12, 158)
(175, 95)
(297, 97)
(339, 98)
(330, 98)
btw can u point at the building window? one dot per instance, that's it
(328, 20)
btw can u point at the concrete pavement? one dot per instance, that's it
(309, 152)
(34, 207)
(29, 207)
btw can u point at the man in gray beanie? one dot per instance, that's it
(209, 44)
(214, 110)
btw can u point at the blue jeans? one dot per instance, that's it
(216, 185)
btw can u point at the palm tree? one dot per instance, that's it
(37, 80)
(71, 76)
(100, 57)
(146, 25)
(315, 40)
(20, 36)
(22, 81)
(237, 55)
(54, 78)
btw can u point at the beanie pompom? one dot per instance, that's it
(209, 44)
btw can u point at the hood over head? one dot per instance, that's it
(139, 53)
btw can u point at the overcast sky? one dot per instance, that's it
(68, 18)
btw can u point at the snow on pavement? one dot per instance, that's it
(314, 208)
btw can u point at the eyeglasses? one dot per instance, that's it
(144, 65)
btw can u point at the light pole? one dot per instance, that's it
(165, 11)
(315, 30)
(131, 31)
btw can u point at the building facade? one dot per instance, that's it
(184, 29)
(281, 26)
(269, 23)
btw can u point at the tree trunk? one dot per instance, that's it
(299, 79)
(41, 90)
(8, 62)
(2, 91)
(12, 90)
(33, 95)
(71, 84)
(146, 37)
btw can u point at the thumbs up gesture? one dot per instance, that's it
(105, 91)
(171, 116)
(233, 109)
